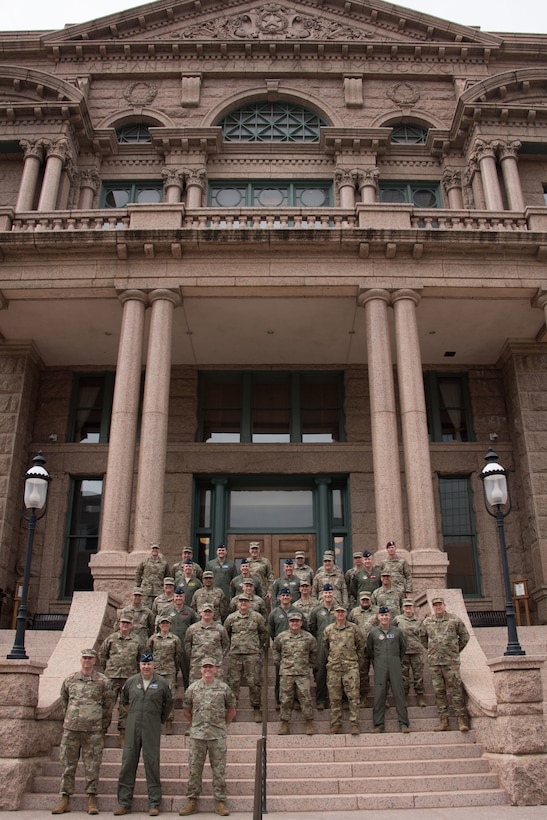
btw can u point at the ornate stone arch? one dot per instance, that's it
(125, 116)
(522, 83)
(31, 84)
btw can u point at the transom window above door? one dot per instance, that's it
(270, 194)
(271, 122)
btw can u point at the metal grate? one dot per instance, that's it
(496, 618)
(49, 621)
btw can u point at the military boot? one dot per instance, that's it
(309, 727)
(221, 808)
(63, 805)
(92, 804)
(420, 700)
(191, 807)
(462, 724)
(284, 728)
(257, 715)
(443, 726)
(355, 729)
(335, 730)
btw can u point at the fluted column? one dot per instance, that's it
(196, 184)
(155, 416)
(385, 446)
(57, 154)
(485, 153)
(367, 181)
(509, 168)
(116, 510)
(419, 483)
(452, 184)
(344, 180)
(34, 155)
(172, 184)
(89, 185)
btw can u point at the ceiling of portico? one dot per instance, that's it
(248, 331)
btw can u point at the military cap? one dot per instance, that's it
(390, 544)
(437, 600)
(357, 554)
(340, 606)
(295, 616)
(249, 581)
(209, 662)
(244, 560)
(188, 561)
(284, 591)
(305, 583)
(384, 610)
(88, 653)
(328, 588)
(164, 617)
(180, 591)
(187, 549)
(137, 591)
(328, 555)
(365, 594)
(385, 572)
(408, 602)
(155, 545)
(243, 597)
(367, 554)
(205, 606)
(208, 574)
(127, 618)
(146, 657)
(169, 580)
(289, 561)
(254, 544)
(299, 554)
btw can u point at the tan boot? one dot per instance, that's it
(335, 730)
(420, 700)
(63, 805)
(284, 728)
(121, 810)
(191, 807)
(258, 716)
(221, 808)
(168, 727)
(92, 804)
(443, 726)
(462, 724)
(309, 727)
(355, 729)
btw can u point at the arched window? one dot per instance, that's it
(133, 133)
(406, 133)
(271, 122)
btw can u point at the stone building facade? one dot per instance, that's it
(273, 272)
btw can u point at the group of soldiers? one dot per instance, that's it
(214, 626)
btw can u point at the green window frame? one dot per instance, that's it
(449, 412)
(270, 194)
(137, 132)
(81, 534)
(460, 534)
(407, 133)
(419, 194)
(265, 121)
(118, 194)
(91, 407)
(271, 407)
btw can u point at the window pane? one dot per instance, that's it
(222, 408)
(278, 509)
(148, 195)
(392, 195)
(271, 122)
(423, 198)
(83, 535)
(452, 410)
(117, 198)
(88, 409)
(271, 197)
(137, 132)
(407, 134)
(459, 534)
(271, 408)
(229, 197)
(312, 197)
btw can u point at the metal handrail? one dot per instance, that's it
(261, 760)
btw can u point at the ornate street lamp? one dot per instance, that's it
(37, 481)
(496, 496)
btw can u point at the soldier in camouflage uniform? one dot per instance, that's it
(257, 603)
(143, 619)
(189, 582)
(331, 574)
(278, 621)
(165, 597)
(236, 585)
(367, 577)
(350, 574)
(445, 636)
(178, 569)
(182, 617)
(295, 654)
(209, 705)
(306, 603)
(87, 700)
(414, 654)
(206, 639)
(365, 616)
(119, 656)
(211, 595)
(387, 596)
(262, 568)
(386, 646)
(167, 651)
(302, 570)
(320, 618)
(344, 649)
(150, 574)
(248, 636)
(401, 574)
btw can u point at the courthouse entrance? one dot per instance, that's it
(274, 546)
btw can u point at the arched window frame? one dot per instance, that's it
(265, 121)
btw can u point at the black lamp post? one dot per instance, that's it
(496, 495)
(37, 480)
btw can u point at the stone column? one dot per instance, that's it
(485, 153)
(367, 181)
(452, 184)
(57, 154)
(196, 185)
(430, 566)
(116, 510)
(509, 168)
(385, 445)
(34, 155)
(344, 180)
(155, 416)
(473, 183)
(172, 184)
(89, 185)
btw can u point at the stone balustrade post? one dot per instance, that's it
(34, 155)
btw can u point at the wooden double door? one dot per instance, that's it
(274, 546)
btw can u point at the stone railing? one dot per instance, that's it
(108, 219)
(279, 218)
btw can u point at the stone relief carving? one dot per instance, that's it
(140, 93)
(404, 93)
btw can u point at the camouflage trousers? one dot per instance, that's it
(245, 667)
(342, 680)
(364, 672)
(197, 752)
(447, 685)
(90, 744)
(293, 687)
(116, 685)
(414, 661)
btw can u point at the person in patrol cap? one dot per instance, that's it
(167, 650)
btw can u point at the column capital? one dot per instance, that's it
(33, 148)
(485, 148)
(89, 178)
(451, 178)
(540, 299)
(345, 177)
(165, 295)
(133, 295)
(196, 177)
(509, 149)
(367, 177)
(172, 177)
(58, 148)
(373, 293)
(406, 293)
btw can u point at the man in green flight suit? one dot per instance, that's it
(148, 696)
(386, 646)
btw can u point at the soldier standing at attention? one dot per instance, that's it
(320, 618)
(295, 653)
(288, 579)
(119, 656)
(166, 649)
(401, 574)
(248, 636)
(365, 617)
(189, 582)
(414, 655)
(209, 705)
(278, 621)
(212, 595)
(351, 573)
(143, 619)
(367, 577)
(344, 649)
(302, 570)
(178, 568)
(306, 604)
(224, 570)
(445, 636)
(386, 595)
(149, 700)
(261, 567)
(206, 639)
(87, 700)
(386, 646)
(150, 574)
(182, 617)
(166, 596)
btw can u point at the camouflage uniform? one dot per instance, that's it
(387, 649)
(295, 654)
(401, 574)
(292, 583)
(149, 577)
(214, 596)
(248, 636)
(262, 568)
(365, 618)
(344, 650)
(363, 580)
(223, 572)
(206, 642)
(278, 621)
(306, 607)
(304, 573)
(178, 572)
(181, 619)
(143, 620)
(445, 637)
(257, 605)
(414, 654)
(159, 603)
(88, 704)
(119, 658)
(236, 586)
(167, 652)
(392, 598)
(334, 577)
(208, 704)
(320, 618)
